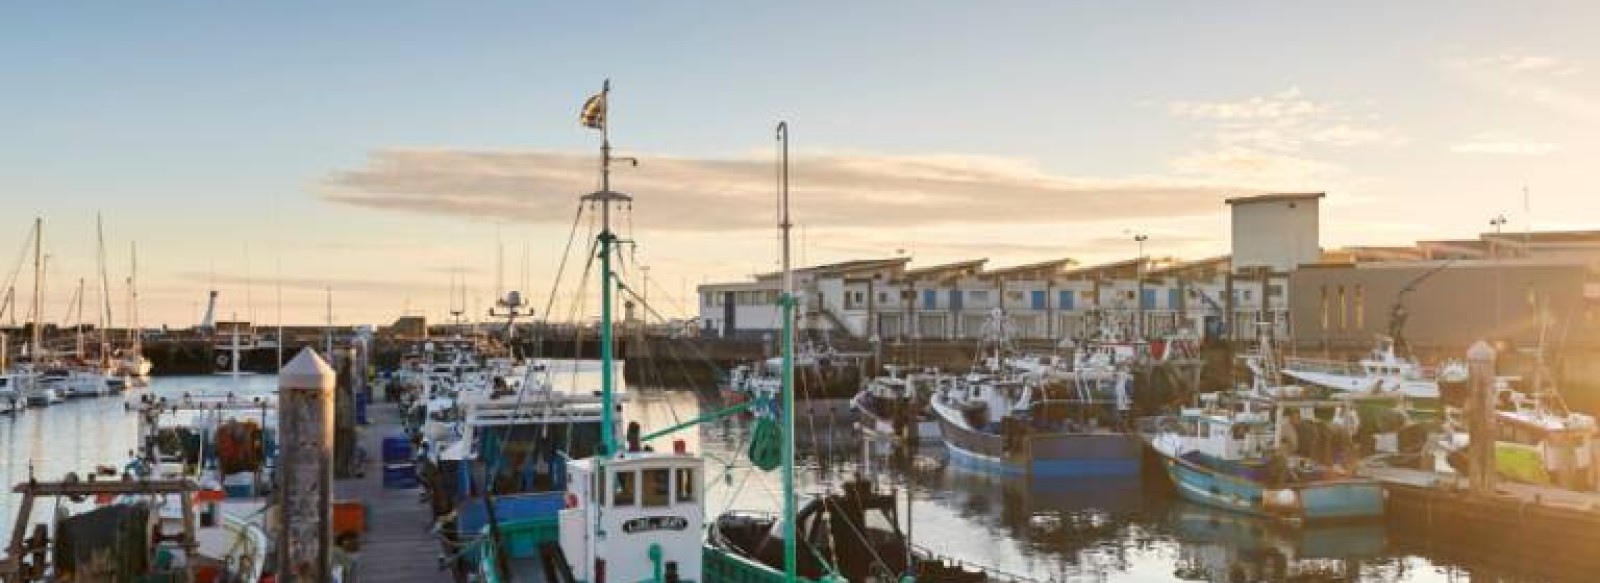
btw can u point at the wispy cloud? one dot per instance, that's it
(1504, 144)
(717, 194)
(1542, 81)
(1530, 63)
(1276, 140)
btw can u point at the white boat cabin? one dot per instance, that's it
(640, 521)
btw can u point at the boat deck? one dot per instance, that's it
(398, 546)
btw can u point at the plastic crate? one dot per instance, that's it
(396, 448)
(399, 476)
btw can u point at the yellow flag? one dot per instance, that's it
(594, 112)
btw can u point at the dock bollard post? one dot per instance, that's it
(305, 469)
(1480, 411)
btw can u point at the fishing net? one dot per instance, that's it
(239, 447)
(105, 544)
(766, 444)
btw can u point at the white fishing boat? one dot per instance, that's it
(1380, 371)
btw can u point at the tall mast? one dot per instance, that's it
(105, 294)
(38, 293)
(787, 299)
(605, 197)
(79, 297)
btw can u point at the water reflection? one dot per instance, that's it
(1117, 530)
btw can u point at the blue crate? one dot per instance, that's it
(396, 448)
(399, 476)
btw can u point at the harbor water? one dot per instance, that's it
(1121, 530)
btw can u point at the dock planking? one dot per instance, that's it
(398, 546)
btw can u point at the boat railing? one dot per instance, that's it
(1325, 366)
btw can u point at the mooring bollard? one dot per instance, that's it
(305, 468)
(1480, 411)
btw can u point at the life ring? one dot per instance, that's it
(222, 360)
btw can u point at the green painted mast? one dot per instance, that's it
(596, 116)
(788, 301)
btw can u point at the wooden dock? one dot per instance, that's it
(398, 546)
(1525, 529)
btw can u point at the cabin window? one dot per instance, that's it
(686, 485)
(625, 492)
(657, 484)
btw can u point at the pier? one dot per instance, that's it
(398, 545)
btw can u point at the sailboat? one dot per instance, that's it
(130, 361)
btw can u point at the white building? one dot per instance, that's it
(1276, 231)
(1049, 300)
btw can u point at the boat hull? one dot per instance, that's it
(927, 430)
(1316, 502)
(1053, 455)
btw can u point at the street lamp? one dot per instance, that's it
(1139, 275)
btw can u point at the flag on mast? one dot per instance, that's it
(594, 111)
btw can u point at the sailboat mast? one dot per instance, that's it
(787, 299)
(38, 293)
(79, 297)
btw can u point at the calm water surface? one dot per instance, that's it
(1085, 530)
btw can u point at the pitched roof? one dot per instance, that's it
(932, 270)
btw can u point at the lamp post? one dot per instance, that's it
(1139, 276)
(1494, 258)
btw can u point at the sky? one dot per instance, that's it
(385, 150)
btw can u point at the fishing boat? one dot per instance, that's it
(1000, 420)
(623, 513)
(1231, 455)
(897, 405)
(1380, 371)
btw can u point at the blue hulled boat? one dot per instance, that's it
(1013, 422)
(1240, 458)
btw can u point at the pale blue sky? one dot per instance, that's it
(200, 128)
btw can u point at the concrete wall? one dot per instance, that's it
(1448, 310)
(1276, 233)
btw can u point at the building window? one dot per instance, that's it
(709, 300)
(930, 299)
(1344, 311)
(978, 295)
(1275, 290)
(1065, 300)
(1361, 309)
(883, 297)
(1324, 307)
